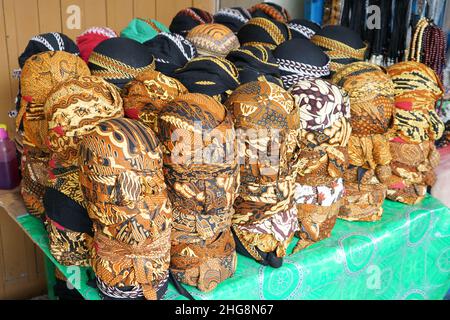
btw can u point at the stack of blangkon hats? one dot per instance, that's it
(169, 150)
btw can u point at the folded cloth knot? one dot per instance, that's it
(204, 264)
(139, 260)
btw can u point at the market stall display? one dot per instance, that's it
(186, 161)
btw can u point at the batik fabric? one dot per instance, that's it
(319, 191)
(268, 129)
(213, 39)
(371, 94)
(73, 109)
(202, 176)
(40, 74)
(145, 96)
(123, 185)
(416, 128)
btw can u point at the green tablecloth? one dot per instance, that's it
(404, 256)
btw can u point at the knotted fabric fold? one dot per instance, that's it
(325, 121)
(265, 220)
(202, 175)
(122, 182)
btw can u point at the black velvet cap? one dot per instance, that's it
(171, 51)
(48, 42)
(213, 76)
(299, 59)
(120, 60)
(233, 18)
(264, 31)
(187, 19)
(66, 212)
(255, 63)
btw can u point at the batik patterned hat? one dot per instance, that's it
(417, 89)
(146, 96)
(40, 74)
(325, 117)
(123, 185)
(265, 218)
(73, 109)
(212, 39)
(416, 127)
(371, 94)
(202, 174)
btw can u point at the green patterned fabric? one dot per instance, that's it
(404, 256)
(142, 30)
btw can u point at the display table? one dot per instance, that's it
(404, 256)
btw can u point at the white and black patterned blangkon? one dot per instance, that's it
(294, 71)
(303, 30)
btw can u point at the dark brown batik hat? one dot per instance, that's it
(123, 185)
(202, 175)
